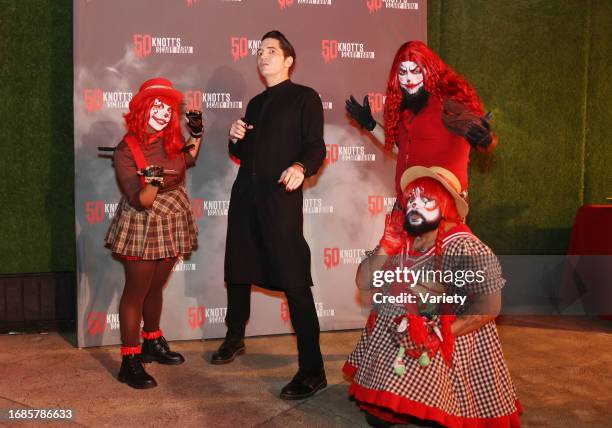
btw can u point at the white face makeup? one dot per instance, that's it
(421, 209)
(410, 76)
(159, 116)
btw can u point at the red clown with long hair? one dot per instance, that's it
(432, 114)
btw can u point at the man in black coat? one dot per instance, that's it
(278, 142)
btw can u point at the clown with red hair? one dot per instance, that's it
(430, 349)
(432, 114)
(154, 224)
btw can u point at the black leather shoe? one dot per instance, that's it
(304, 385)
(158, 350)
(133, 373)
(228, 351)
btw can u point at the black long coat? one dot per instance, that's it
(265, 243)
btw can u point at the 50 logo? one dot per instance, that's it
(331, 257)
(285, 3)
(196, 316)
(142, 45)
(377, 101)
(331, 153)
(193, 100)
(197, 205)
(374, 5)
(96, 323)
(240, 47)
(94, 99)
(376, 204)
(329, 50)
(94, 211)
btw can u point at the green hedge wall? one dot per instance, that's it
(541, 66)
(36, 151)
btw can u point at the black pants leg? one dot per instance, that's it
(238, 309)
(306, 325)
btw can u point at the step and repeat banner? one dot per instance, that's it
(207, 48)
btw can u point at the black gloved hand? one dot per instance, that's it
(153, 174)
(187, 148)
(361, 113)
(479, 134)
(194, 122)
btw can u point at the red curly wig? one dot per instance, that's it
(440, 80)
(136, 123)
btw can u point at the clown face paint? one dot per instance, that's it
(422, 213)
(159, 116)
(410, 76)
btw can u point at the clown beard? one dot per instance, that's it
(421, 228)
(414, 102)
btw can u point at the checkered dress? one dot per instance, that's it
(166, 230)
(475, 391)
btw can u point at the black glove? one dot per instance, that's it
(194, 123)
(187, 147)
(479, 134)
(362, 114)
(153, 175)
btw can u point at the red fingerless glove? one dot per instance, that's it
(394, 236)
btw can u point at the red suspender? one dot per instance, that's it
(139, 157)
(134, 146)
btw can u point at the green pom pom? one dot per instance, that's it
(402, 352)
(424, 359)
(400, 370)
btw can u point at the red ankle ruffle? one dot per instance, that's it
(152, 334)
(130, 350)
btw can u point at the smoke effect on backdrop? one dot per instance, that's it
(207, 49)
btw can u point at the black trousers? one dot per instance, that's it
(303, 318)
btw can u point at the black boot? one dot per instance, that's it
(158, 350)
(133, 373)
(232, 346)
(304, 385)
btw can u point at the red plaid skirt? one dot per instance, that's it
(475, 392)
(166, 230)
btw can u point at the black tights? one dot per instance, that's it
(142, 297)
